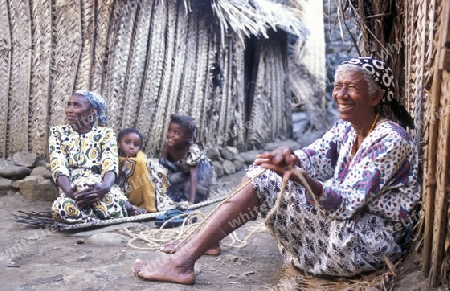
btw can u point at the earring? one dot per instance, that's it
(91, 118)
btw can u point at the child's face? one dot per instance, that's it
(176, 135)
(130, 144)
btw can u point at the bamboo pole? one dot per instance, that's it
(430, 182)
(441, 206)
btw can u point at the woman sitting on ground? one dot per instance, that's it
(363, 180)
(84, 163)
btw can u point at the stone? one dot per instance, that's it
(5, 186)
(228, 167)
(249, 156)
(218, 168)
(213, 153)
(9, 170)
(25, 159)
(37, 188)
(226, 154)
(234, 150)
(238, 163)
(107, 239)
(42, 171)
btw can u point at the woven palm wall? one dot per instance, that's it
(414, 37)
(149, 59)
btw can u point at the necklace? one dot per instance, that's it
(355, 144)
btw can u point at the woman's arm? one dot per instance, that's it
(59, 164)
(66, 186)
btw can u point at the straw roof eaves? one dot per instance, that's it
(257, 17)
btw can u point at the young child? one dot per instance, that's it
(143, 180)
(190, 172)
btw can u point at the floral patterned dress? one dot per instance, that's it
(366, 207)
(85, 158)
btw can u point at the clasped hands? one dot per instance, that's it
(90, 195)
(282, 161)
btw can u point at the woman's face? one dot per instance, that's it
(353, 101)
(176, 135)
(130, 144)
(78, 110)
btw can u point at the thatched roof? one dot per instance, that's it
(257, 17)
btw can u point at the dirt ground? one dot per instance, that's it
(45, 259)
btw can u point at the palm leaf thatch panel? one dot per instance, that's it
(5, 66)
(18, 105)
(40, 74)
(270, 108)
(120, 64)
(66, 53)
(102, 28)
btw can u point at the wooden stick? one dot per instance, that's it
(439, 219)
(429, 181)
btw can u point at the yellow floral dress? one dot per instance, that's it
(85, 158)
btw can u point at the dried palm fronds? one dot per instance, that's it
(156, 57)
(18, 107)
(65, 56)
(5, 67)
(257, 17)
(103, 20)
(83, 76)
(166, 62)
(202, 68)
(40, 78)
(137, 63)
(118, 76)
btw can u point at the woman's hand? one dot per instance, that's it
(92, 194)
(95, 192)
(280, 160)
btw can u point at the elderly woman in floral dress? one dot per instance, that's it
(362, 181)
(84, 163)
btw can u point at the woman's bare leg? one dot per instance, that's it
(179, 267)
(169, 248)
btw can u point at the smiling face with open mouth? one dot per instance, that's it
(352, 97)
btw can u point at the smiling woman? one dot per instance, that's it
(84, 163)
(343, 213)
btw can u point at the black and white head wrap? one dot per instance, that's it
(384, 77)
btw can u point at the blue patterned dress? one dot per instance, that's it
(366, 207)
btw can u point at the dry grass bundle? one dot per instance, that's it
(256, 17)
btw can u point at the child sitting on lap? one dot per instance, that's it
(143, 180)
(190, 172)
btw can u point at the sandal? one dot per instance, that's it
(172, 218)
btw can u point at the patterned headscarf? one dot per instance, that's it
(384, 77)
(96, 101)
(380, 72)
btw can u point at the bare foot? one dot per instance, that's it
(169, 248)
(133, 210)
(169, 269)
